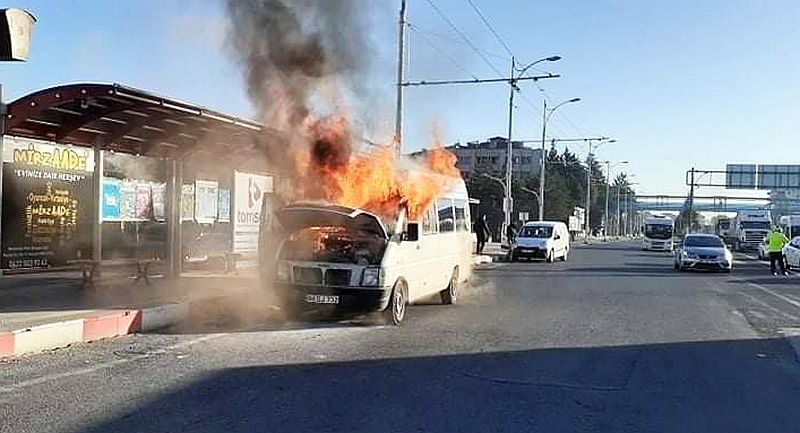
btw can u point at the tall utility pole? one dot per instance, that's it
(691, 203)
(398, 121)
(618, 227)
(588, 192)
(507, 202)
(542, 170)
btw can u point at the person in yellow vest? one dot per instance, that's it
(775, 241)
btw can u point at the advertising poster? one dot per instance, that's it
(47, 204)
(111, 200)
(249, 190)
(224, 206)
(187, 202)
(205, 195)
(143, 201)
(127, 200)
(159, 192)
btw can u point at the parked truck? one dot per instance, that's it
(751, 228)
(726, 229)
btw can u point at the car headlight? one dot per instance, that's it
(284, 271)
(689, 254)
(372, 277)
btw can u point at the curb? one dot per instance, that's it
(109, 324)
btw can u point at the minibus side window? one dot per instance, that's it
(461, 215)
(444, 207)
(429, 221)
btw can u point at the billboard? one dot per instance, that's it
(778, 176)
(740, 176)
(249, 190)
(47, 201)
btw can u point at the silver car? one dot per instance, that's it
(702, 251)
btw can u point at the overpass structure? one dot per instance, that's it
(677, 203)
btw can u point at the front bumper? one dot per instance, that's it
(535, 252)
(351, 299)
(658, 245)
(711, 265)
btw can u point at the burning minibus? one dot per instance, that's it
(354, 261)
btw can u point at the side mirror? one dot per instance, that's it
(412, 232)
(557, 237)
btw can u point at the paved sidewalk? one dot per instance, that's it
(46, 311)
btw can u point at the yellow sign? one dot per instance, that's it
(58, 158)
(53, 213)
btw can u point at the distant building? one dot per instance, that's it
(489, 157)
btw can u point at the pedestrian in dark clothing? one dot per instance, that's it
(511, 233)
(481, 230)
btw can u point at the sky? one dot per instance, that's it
(678, 84)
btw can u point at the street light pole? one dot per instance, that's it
(589, 184)
(543, 171)
(532, 192)
(608, 183)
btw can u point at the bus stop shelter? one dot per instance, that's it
(115, 119)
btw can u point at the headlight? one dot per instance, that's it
(689, 254)
(284, 271)
(372, 277)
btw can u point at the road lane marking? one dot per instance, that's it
(769, 307)
(108, 364)
(776, 294)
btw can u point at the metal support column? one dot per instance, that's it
(174, 223)
(97, 221)
(172, 210)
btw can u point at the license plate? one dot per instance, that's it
(322, 299)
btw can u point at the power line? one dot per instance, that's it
(491, 29)
(562, 115)
(539, 113)
(444, 53)
(458, 41)
(463, 36)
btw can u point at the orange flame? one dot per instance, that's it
(329, 169)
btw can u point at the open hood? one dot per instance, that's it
(298, 216)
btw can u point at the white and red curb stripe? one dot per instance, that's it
(91, 328)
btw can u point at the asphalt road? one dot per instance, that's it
(612, 341)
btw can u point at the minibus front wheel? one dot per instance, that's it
(395, 312)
